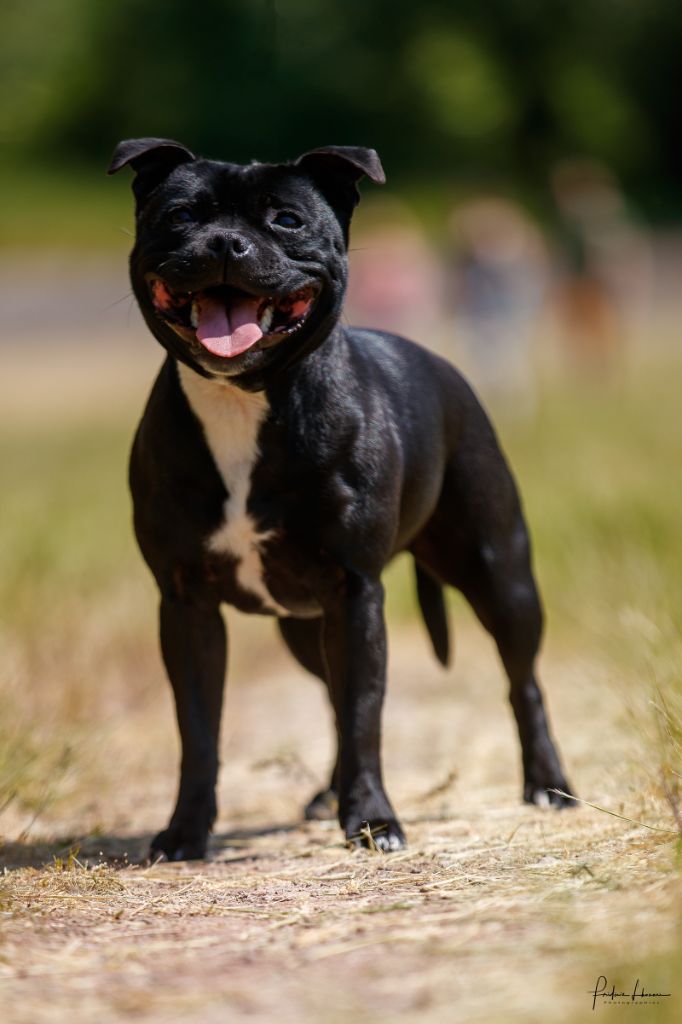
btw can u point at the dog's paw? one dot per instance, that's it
(544, 796)
(384, 836)
(178, 842)
(324, 806)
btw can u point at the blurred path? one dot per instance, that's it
(51, 292)
(72, 341)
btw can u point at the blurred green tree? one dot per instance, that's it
(444, 90)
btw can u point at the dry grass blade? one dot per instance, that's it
(171, 894)
(615, 814)
(441, 787)
(670, 745)
(367, 834)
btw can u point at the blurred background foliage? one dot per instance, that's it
(447, 92)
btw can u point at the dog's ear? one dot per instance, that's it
(336, 170)
(151, 159)
(348, 162)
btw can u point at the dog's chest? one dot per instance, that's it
(231, 420)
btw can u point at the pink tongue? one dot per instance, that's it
(228, 331)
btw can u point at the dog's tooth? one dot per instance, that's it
(266, 318)
(194, 315)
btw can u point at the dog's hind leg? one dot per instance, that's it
(477, 541)
(303, 637)
(503, 594)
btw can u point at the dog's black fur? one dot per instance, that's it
(370, 446)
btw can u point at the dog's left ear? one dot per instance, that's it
(349, 162)
(337, 170)
(151, 159)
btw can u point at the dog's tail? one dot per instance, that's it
(434, 612)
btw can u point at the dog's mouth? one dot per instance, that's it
(228, 321)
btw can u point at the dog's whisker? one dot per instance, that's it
(117, 302)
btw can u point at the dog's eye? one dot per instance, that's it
(286, 219)
(181, 216)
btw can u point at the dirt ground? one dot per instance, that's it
(496, 911)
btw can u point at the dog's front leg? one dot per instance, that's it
(354, 642)
(194, 648)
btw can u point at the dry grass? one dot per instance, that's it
(485, 912)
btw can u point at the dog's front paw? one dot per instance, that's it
(179, 842)
(386, 836)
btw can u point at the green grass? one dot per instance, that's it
(65, 511)
(66, 557)
(599, 472)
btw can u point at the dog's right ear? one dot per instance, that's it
(151, 159)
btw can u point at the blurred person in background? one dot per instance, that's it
(395, 278)
(498, 283)
(603, 275)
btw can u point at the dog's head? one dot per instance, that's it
(241, 269)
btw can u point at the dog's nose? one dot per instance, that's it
(229, 243)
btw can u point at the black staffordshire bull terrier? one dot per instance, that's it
(284, 458)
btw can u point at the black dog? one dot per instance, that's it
(283, 459)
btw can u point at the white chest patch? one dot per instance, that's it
(231, 419)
